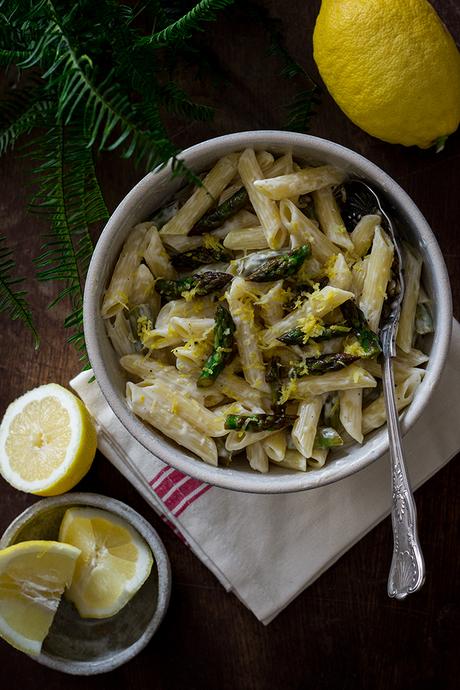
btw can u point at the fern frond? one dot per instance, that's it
(12, 300)
(180, 30)
(177, 102)
(20, 112)
(70, 197)
(302, 109)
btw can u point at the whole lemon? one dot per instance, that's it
(392, 67)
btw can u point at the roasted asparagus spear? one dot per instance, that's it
(298, 337)
(222, 349)
(258, 422)
(281, 266)
(198, 284)
(217, 216)
(321, 365)
(327, 437)
(368, 340)
(273, 377)
(208, 253)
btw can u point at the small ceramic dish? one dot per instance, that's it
(85, 646)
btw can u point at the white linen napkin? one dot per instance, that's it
(267, 549)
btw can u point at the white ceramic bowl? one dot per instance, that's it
(156, 188)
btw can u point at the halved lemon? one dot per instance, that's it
(47, 441)
(115, 561)
(33, 575)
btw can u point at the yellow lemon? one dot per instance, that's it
(392, 67)
(33, 576)
(47, 441)
(114, 563)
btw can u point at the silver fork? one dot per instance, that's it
(407, 571)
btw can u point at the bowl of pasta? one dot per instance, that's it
(232, 318)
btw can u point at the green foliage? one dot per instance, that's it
(93, 76)
(12, 300)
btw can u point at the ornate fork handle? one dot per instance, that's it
(407, 571)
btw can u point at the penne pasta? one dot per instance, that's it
(156, 410)
(377, 277)
(412, 272)
(257, 457)
(303, 230)
(351, 412)
(266, 210)
(270, 351)
(304, 181)
(156, 256)
(330, 219)
(117, 294)
(363, 234)
(304, 429)
(203, 197)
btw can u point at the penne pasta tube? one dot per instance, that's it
(156, 256)
(340, 275)
(118, 292)
(246, 335)
(351, 412)
(304, 429)
(152, 370)
(363, 234)
(242, 219)
(257, 457)
(182, 243)
(318, 458)
(203, 197)
(233, 386)
(143, 289)
(293, 460)
(201, 307)
(377, 277)
(374, 415)
(352, 376)
(237, 440)
(156, 410)
(119, 333)
(412, 273)
(302, 230)
(186, 408)
(282, 166)
(271, 304)
(358, 273)
(266, 210)
(330, 220)
(319, 304)
(401, 370)
(304, 181)
(413, 358)
(246, 239)
(275, 445)
(191, 327)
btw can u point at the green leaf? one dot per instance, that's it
(20, 112)
(12, 300)
(70, 197)
(180, 30)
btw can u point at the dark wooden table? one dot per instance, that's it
(343, 632)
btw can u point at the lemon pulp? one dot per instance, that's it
(33, 576)
(47, 441)
(114, 563)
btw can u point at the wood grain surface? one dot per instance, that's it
(343, 632)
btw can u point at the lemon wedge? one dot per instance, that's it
(47, 441)
(114, 563)
(33, 575)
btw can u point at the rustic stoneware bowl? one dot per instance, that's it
(85, 646)
(150, 194)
